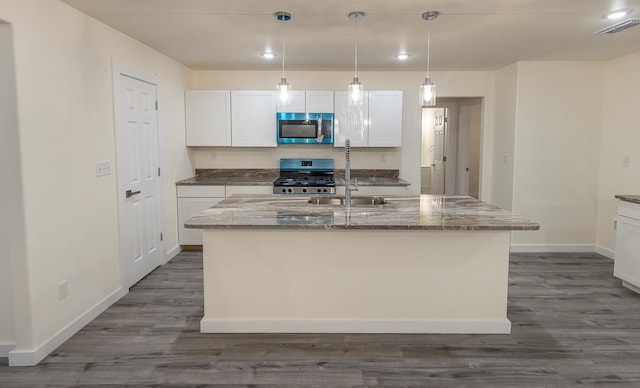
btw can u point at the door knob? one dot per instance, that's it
(130, 193)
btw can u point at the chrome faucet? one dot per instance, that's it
(347, 175)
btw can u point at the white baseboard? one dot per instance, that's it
(171, 254)
(5, 349)
(32, 357)
(540, 248)
(606, 252)
(355, 326)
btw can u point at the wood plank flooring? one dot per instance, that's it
(573, 325)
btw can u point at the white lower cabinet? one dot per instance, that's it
(627, 258)
(193, 199)
(187, 208)
(231, 190)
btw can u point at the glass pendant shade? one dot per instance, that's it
(284, 92)
(427, 93)
(356, 92)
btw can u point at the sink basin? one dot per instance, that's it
(355, 201)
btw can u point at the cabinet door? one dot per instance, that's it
(385, 118)
(187, 208)
(208, 117)
(627, 260)
(253, 118)
(297, 103)
(350, 121)
(260, 189)
(319, 101)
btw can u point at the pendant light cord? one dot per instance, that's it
(428, 49)
(283, 52)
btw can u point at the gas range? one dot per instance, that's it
(305, 176)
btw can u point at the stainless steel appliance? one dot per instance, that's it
(304, 128)
(305, 176)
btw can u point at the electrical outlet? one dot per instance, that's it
(505, 159)
(626, 161)
(63, 289)
(615, 224)
(103, 168)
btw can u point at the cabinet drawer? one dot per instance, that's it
(200, 191)
(628, 209)
(262, 189)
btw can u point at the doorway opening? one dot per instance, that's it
(451, 142)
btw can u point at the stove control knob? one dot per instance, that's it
(284, 190)
(304, 190)
(290, 190)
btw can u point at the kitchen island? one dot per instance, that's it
(427, 264)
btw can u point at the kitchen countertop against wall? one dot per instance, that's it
(265, 177)
(629, 198)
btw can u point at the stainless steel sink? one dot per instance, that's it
(355, 201)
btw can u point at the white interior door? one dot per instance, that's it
(138, 177)
(438, 165)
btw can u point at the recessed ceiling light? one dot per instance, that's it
(402, 56)
(617, 14)
(268, 55)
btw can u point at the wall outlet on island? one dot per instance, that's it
(63, 289)
(614, 224)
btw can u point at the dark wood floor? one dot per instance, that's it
(573, 324)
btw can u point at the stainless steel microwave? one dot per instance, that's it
(304, 128)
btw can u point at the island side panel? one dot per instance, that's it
(373, 281)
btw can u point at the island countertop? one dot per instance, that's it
(425, 212)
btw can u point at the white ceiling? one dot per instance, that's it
(468, 35)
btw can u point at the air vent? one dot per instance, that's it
(622, 25)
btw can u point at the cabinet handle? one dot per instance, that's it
(130, 193)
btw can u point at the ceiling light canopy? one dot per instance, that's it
(402, 56)
(268, 55)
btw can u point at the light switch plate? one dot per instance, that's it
(103, 168)
(626, 161)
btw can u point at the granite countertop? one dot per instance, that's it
(424, 212)
(265, 177)
(629, 198)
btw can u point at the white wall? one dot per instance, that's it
(11, 209)
(620, 137)
(407, 159)
(65, 111)
(557, 151)
(503, 139)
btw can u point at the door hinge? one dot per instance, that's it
(161, 236)
(156, 105)
(158, 171)
(444, 158)
(446, 119)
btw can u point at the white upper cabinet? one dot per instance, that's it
(253, 117)
(298, 104)
(385, 118)
(376, 123)
(350, 121)
(208, 118)
(319, 101)
(313, 101)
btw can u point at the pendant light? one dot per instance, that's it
(356, 91)
(428, 89)
(284, 89)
